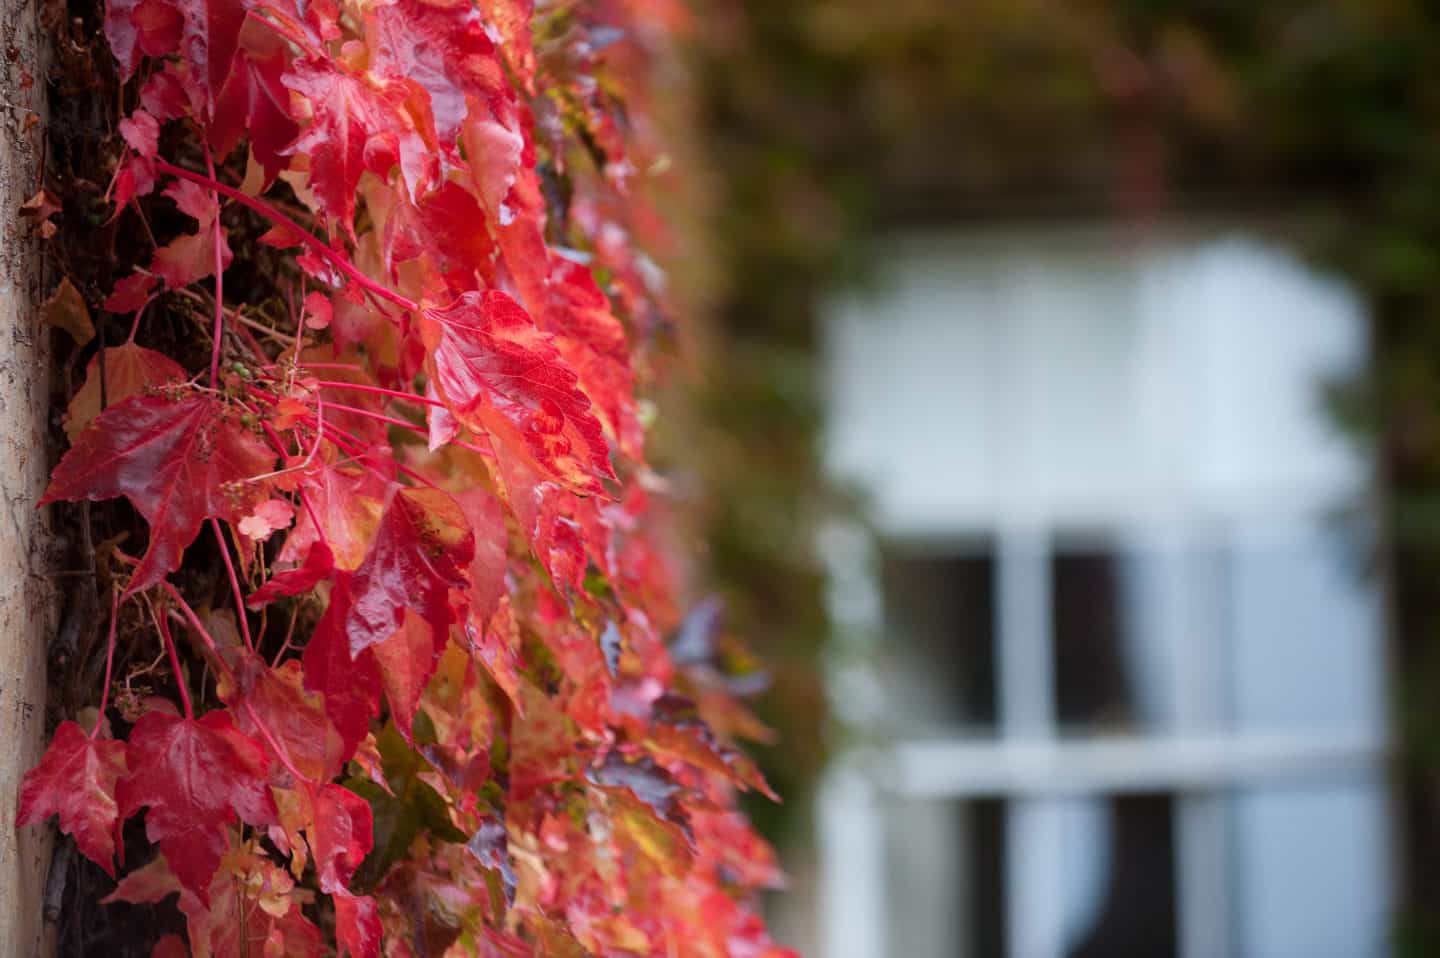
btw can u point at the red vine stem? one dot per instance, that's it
(280, 751)
(217, 240)
(284, 31)
(302, 234)
(380, 391)
(234, 583)
(164, 627)
(404, 424)
(378, 417)
(209, 641)
(310, 365)
(109, 662)
(352, 444)
(319, 437)
(135, 326)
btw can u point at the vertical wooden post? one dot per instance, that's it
(26, 608)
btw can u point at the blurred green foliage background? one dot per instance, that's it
(826, 121)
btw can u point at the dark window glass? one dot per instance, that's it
(939, 617)
(1136, 915)
(1092, 680)
(946, 878)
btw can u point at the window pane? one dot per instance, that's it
(1312, 873)
(940, 663)
(945, 879)
(1304, 628)
(1120, 611)
(1119, 855)
(1093, 683)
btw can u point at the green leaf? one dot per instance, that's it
(400, 818)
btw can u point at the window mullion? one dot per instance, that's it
(1027, 713)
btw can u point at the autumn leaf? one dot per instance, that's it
(495, 643)
(459, 723)
(545, 511)
(254, 103)
(354, 126)
(440, 229)
(168, 95)
(196, 776)
(275, 696)
(442, 48)
(171, 946)
(130, 294)
(76, 780)
(512, 19)
(344, 508)
(406, 660)
(678, 733)
(500, 373)
(141, 133)
(421, 551)
(151, 882)
(191, 256)
(208, 41)
(341, 836)
(407, 809)
(593, 342)
(136, 27)
(178, 461)
(66, 310)
(486, 516)
(357, 925)
(350, 685)
(490, 846)
(130, 370)
(318, 565)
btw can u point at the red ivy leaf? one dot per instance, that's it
(141, 133)
(441, 47)
(136, 27)
(421, 551)
(130, 293)
(130, 370)
(441, 228)
(167, 96)
(593, 342)
(351, 686)
(512, 19)
(196, 776)
(407, 661)
(344, 508)
(319, 564)
(295, 717)
(496, 643)
(179, 462)
(357, 924)
(76, 780)
(255, 103)
(136, 177)
(341, 836)
(544, 510)
(171, 946)
(354, 127)
(500, 373)
(191, 256)
(209, 40)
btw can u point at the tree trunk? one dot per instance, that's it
(27, 609)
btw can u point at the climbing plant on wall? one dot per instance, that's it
(388, 592)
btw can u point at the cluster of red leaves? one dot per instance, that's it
(422, 444)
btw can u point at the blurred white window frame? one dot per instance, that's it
(1159, 493)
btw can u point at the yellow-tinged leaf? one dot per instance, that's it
(66, 309)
